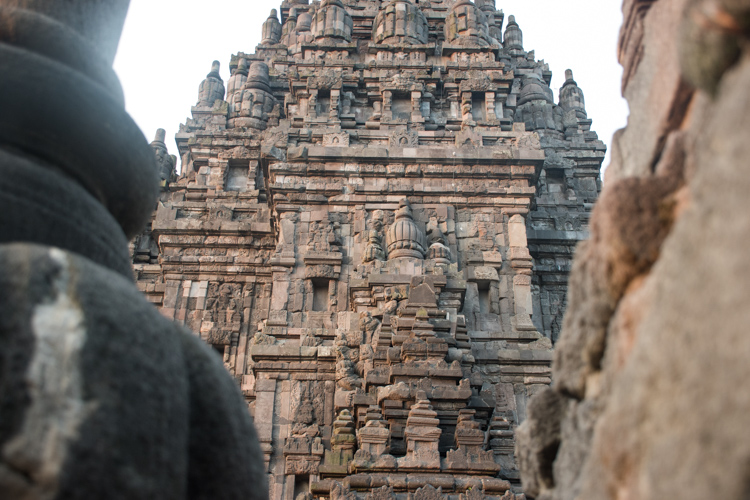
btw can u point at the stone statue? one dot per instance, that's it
(395, 299)
(368, 325)
(346, 372)
(438, 251)
(374, 249)
(101, 395)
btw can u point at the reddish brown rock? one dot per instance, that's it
(656, 411)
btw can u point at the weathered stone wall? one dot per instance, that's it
(647, 399)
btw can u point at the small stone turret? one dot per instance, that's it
(290, 27)
(467, 25)
(252, 105)
(296, 30)
(343, 443)
(535, 89)
(400, 22)
(536, 105)
(164, 161)
(470, 454)
(271, 29)
(212, 88)
(343, 433)
(571, 96)
(405, 238)
(333, 22)
(304, 23)
(235, 85)
(495, 18)
(259, 77)
(374, 438)
(238, 78)
(374, 249)
(422, 436)
(513, 40)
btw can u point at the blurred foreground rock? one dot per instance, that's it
(654, 348)
(100, 395)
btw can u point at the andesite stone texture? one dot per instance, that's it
(374, 229)
(100, 395)
(646, 401)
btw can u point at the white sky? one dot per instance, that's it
(167, 48)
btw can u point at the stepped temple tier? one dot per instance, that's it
(373, 226)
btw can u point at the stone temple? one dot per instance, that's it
(373, 226)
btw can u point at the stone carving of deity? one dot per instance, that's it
(438, 251)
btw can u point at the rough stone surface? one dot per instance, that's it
(373, 227)
(652, 346)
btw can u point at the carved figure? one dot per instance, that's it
(261, 338)
(374, 249)
(368, 325)
(438, 251)
(346, 373)
(395, 299)
(341, 492)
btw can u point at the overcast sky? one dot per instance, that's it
(167, 48)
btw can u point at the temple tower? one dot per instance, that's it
(373, 229)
